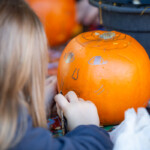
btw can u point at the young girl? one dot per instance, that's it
(23, 64)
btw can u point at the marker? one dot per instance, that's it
(63, 121)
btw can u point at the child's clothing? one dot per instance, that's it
(82, 138)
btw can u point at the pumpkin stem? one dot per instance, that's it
(107, 35)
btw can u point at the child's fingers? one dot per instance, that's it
(88, 101)
(80, 99)
(71, 96)
(61, 101)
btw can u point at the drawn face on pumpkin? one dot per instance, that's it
(95, 61)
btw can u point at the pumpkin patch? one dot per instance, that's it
(109, 68)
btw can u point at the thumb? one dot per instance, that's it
(61, 101)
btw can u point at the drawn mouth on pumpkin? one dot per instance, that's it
(100, 90)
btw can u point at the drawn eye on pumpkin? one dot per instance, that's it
(69, 57)
(97, 60)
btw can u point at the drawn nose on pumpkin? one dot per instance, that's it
(97, 60)
(75, 74)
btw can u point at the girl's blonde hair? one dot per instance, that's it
(23, 60)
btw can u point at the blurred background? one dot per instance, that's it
(64, 19)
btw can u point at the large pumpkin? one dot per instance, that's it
(58, 17)
(109, 68)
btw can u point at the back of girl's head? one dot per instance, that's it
(22, 70)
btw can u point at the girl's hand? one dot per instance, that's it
(50, 92)
(76, 110)
(86, 13)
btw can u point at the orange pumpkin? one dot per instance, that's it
(58, 17)
(109, 68)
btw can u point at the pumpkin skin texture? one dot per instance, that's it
(58, 18)
(109, 68)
